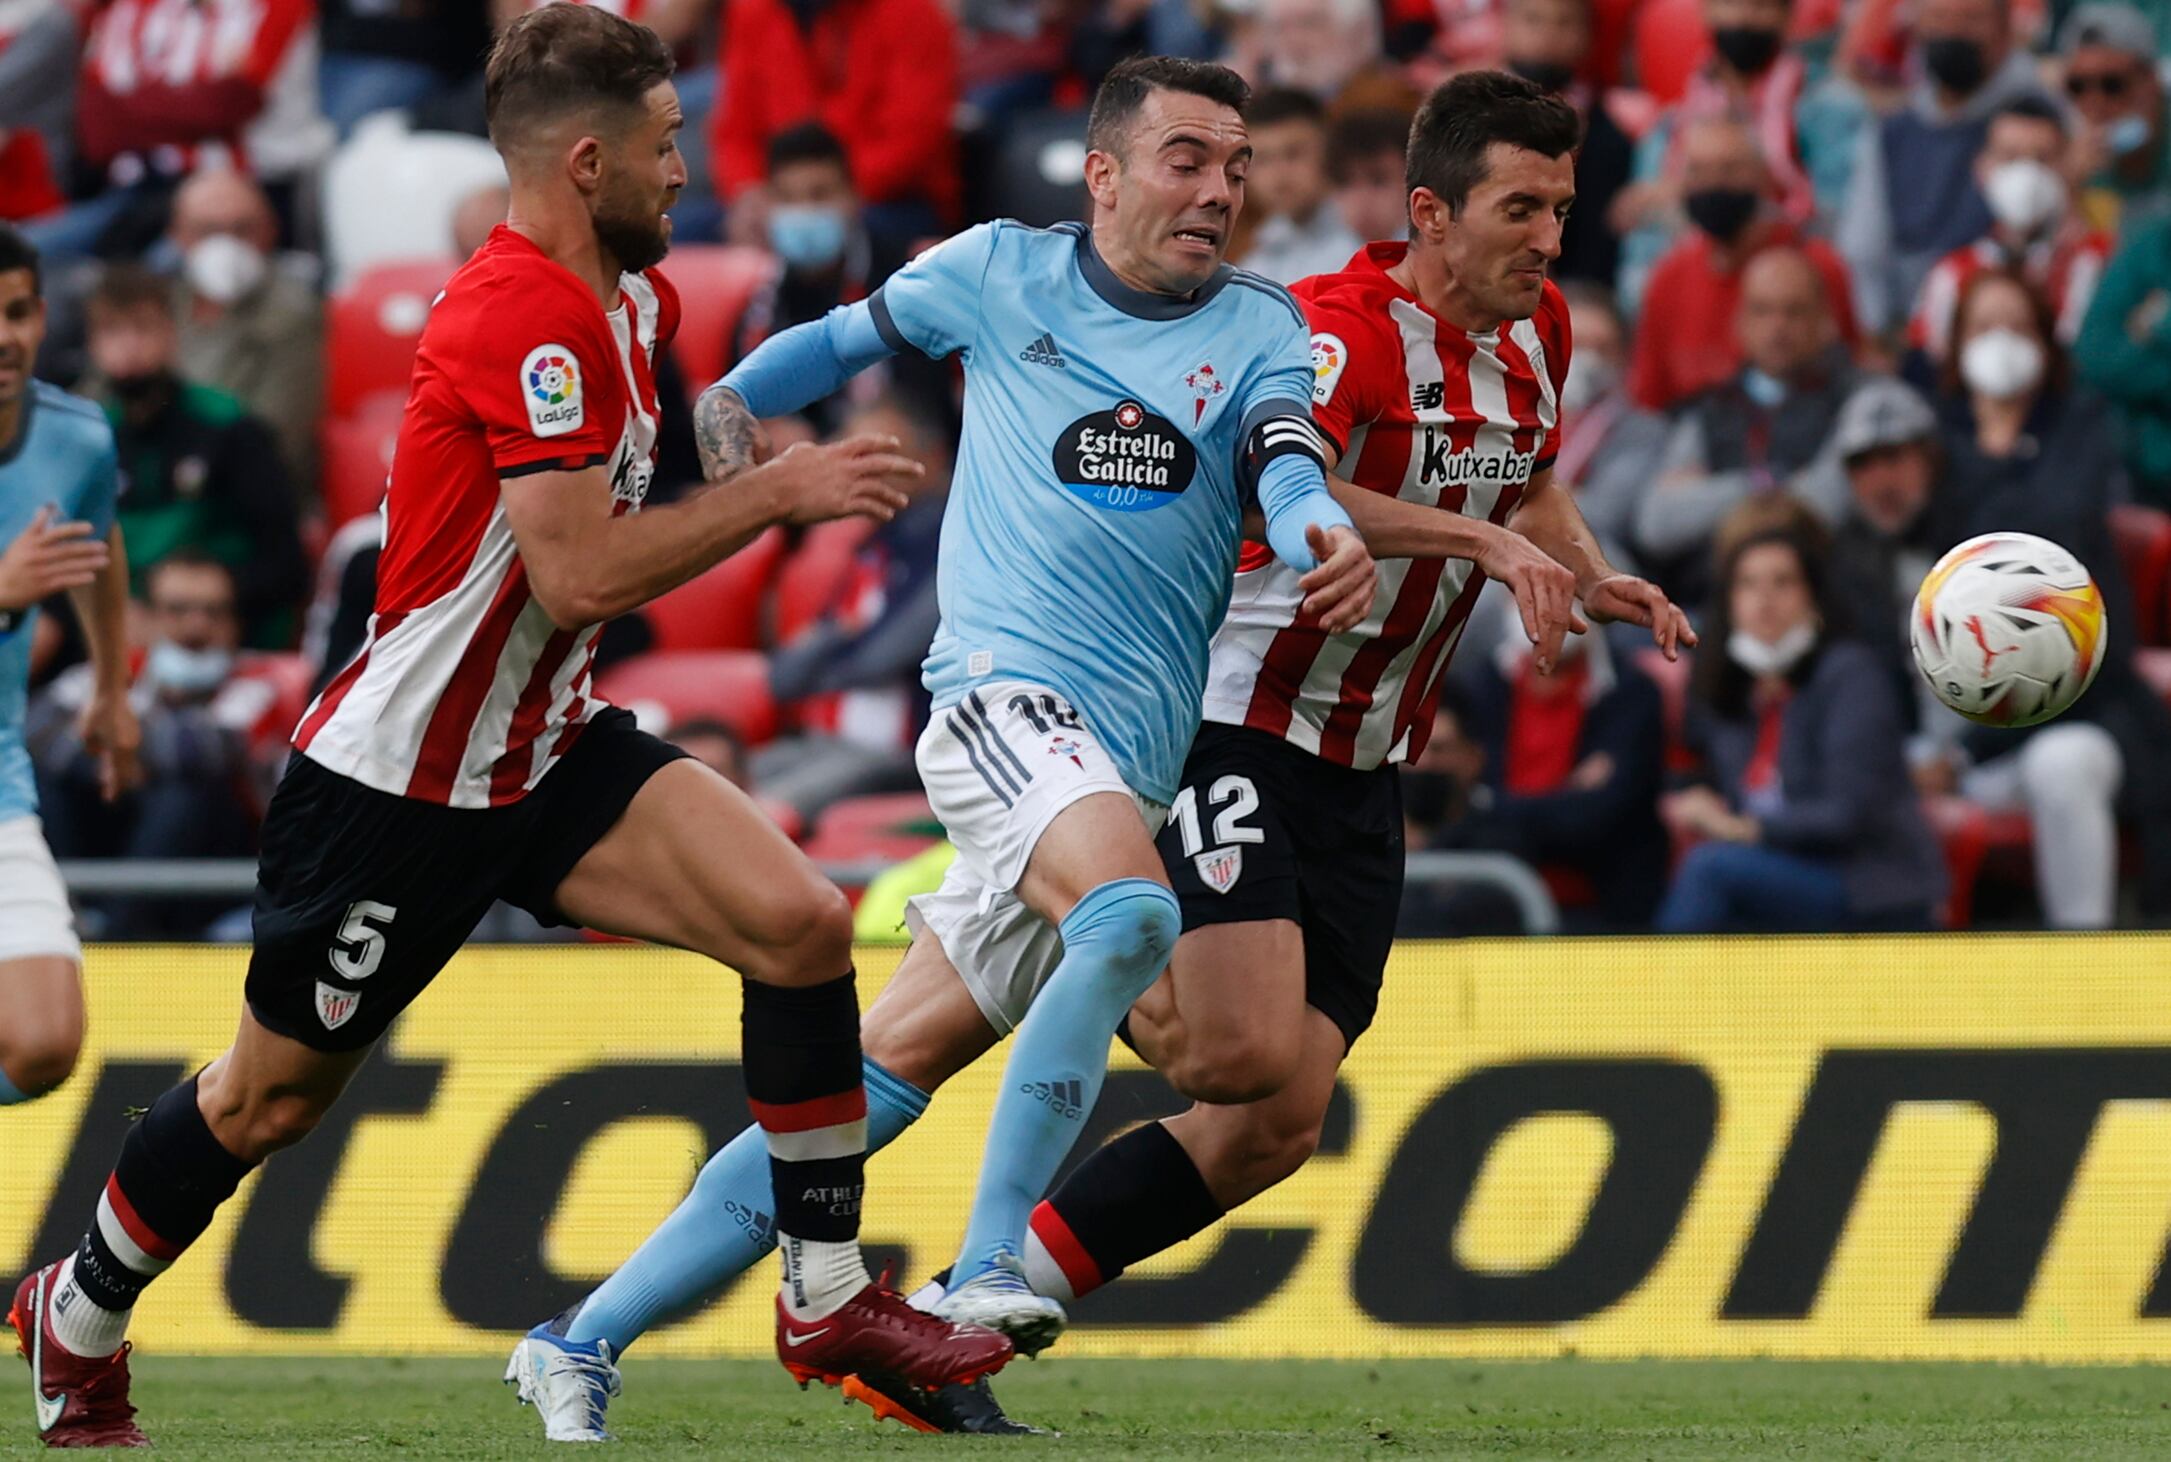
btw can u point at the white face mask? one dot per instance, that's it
(223, 268)
(1589, 378)
(188, 672)
(1777, 658)
(2001, 364)
(2024, 195)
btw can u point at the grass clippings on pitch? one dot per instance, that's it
(1266, 1412)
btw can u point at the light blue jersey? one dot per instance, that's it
(62, 456)
(1112, 438)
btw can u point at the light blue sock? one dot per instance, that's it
(722, 1228)
(1116, 942)
(10, 1094)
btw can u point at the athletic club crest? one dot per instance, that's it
(1219, 868)
(335, 1007)
(1064, 746)
(1205, 386)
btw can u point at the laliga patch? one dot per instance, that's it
(550, 385)
(1329, 358)
(1219, 868)
(335, 1007)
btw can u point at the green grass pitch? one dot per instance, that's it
(1266, 1412)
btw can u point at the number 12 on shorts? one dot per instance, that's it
(1237, 798)
(358, 949)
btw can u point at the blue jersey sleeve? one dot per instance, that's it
(1281, 456)
(932, 305)
(808, 363)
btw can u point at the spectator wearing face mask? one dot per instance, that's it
(2026, 451)
(1610, 447)
(1913, 197)
(2034, 229)
(1766, 429)
(2111, 78)
(826, 255)
(1686, 339)
(250, 324)
(1807, 821)
(2124, 351)
(196, 722)
(1887, 441)
(197, 470)
(1548, 42)
(1365, 149)
(1288, 194)
(1572, 763)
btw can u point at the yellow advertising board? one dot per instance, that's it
(1931, 1147)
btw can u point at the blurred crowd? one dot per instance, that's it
(1851, 280)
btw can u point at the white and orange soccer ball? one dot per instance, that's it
(2008, 629)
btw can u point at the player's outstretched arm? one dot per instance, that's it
(586, 565)
(1548, 517)
(792, 369)
(108, 726)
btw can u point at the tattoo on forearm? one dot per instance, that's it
(724, 430)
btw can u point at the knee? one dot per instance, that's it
(803, 939)
(252, 1125)
(1231, 1069)
(43, 1055)
(1136, 922)
(2067, 763)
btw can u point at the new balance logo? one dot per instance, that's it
(1043, 352)
(1066, 1098)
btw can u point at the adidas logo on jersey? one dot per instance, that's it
(1043, 352)
(1067, 1098)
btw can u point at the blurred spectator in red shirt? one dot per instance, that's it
(2035, 230)
(1364, 154)
(1685, 340)
(37, 112)
(879, 74)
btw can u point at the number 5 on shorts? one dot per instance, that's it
(359, 948)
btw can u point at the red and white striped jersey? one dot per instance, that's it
(1431, 414)
(2066, 269)
(465, 692)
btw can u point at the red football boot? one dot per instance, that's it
(80, 1402)
(876, 1330)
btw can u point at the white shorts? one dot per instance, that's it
(998, 766)
(34, 914)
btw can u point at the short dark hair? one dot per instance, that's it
(807, 142)
(1362, 133)
(129, 286)
(1285, 104)
(17, 252)
(2033, 108)
(565, 58)
(1125, 89)
(1468, 114)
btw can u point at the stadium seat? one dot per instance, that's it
(714, 283)
(723, 608)
(372, 327)
(1969, 834)
(355, 452)
(731, 686)
(1671, 43)
(890, 827)
(2143, 536)
(2153, 664)
(812, 574)
(390, 193)
(1033, 170)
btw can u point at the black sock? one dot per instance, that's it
(800, 1049)
(171, 1178)
(1135, 1197)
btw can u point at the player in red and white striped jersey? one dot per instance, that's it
(462, 758)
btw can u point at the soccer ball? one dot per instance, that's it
(2008, 629)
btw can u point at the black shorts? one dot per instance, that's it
(362, 896)
(1279, 833)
